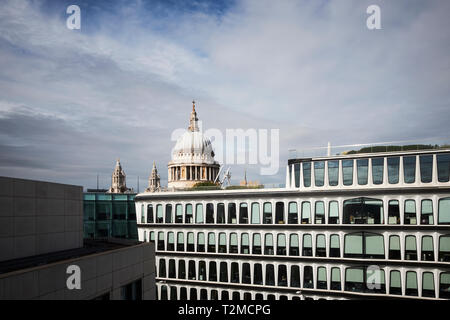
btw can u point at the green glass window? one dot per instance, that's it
(443, 164)
(444, 248)
(220, 213)
(293, 213)
(362, 166)
(411, 283)
(159, 213)
(307, 174)
(377, 170)
(410, 212)
(333, 212)
(267, 211)
(297, 174)
(395, 282)
(188, 213)
(347, 172)
(409, 169)
(333, 173)
(426, 168)
(199, 213)
(168, 213)
(428, 285)
(306, 212)
(444, 211)
(255, 213)
(319, 172)
(178, 213)
(427, 212)
(444, 285)
(393, 164)
(319, 212)
(354, 279)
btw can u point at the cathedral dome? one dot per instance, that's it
(193, 147)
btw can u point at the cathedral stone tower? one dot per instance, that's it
(154, 184)
(192, 158)
(118, 180)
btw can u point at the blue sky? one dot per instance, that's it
(72, 101)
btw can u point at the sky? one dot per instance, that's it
(73, 101)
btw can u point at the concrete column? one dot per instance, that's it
(369, 173)
(401, 176)
(325, 175)
(417, 178)
(355, 174)
(434, 170)
(385, 172)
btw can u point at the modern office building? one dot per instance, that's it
(354, 226)
(41, 236)
(109, 215)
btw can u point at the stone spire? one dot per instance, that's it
(118, 180)
(193, 125)
(154, 183)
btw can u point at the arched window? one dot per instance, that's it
(307, 174)
(444, 285)
(395, 286)
(294, 245)
(152, 236)
(364, 245)
(173, 293)
(257, 274)
(410, 248)
(223, 272)
(362, 166)
(270, 275)
(168, 213)
(214, 295)
(233, 243)
(319, 172)
(393, 164)
(232, 213)
(220, 213)
(307, 245)
(319, 212)
(268, 244)
(243, 212)
(225, 295)
(142, 214)
(427, 248)
(170, 241)
(267, 212)
(180, 241)
(335, 279)
(426, 168)
(321, 250)
(279, 213)
(411, 283)
(409, 169)
(256, 247)
(444, 211)
(160, 240)
(172, 273)
(246, 277)
(222, 243)
(347, 172)
(333, 173)
(306, 212)
(202, 270)
(159, 213)
(444, 248)
(281, 244)
(295, 276)
(293, 213)
(394, 247)
(181, 269)
(199, 213)
(308, 277)
(443, 164)
(150, 213)
(363, 211)
(209, 213)
(393, 212)
(245, 244)
(321, 278)
(335, 250)
(333, 212)
(188, 214)
(428, 285)
(183, 293)
(282, 275)
(211, 242)
(426, 212)
(410, 212)
(191, 270)
(192, 292)
(354, 279)
(255, 213)
(234, 272)
(164, 293)
(200, 242)
(178, 213)
(162, 268)
(377, 170)
(190, 242)
(236, 295)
